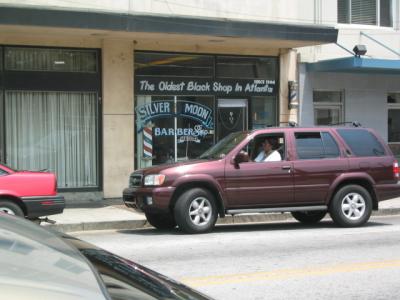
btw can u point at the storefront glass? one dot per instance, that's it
(182, 108)
(50, 107)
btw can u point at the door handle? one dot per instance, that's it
(286, 167)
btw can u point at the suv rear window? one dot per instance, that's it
(362, 142)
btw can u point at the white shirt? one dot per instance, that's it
(274, 156)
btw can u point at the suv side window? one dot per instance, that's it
(330, 146)
(316, 145)
(255, 147)
(362, 142)
(309, 145)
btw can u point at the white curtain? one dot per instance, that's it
(56, 131)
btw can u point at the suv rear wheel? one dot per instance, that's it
(161, 221)
(308, 217)
(195, 211)
(10, 208)
(351, 206)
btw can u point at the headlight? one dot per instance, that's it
(157, 179)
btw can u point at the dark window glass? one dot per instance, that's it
(171, 64)
(362, 142)
(386, 13)
(393, 98)
(394, 125)
(309, 145)
(363, 12)
(343, 11)
(50, 60)
(2, 172)
(330, 146)
(246, 67)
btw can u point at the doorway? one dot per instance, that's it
(231, 116)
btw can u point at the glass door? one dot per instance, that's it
(231, 116)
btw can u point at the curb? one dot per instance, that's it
(140, 224)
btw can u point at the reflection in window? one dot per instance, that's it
(328, 107)
(182, 131)
(168, 64)
(246, 67)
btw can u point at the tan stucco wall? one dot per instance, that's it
(118, 117)
(288, 72)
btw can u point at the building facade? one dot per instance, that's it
(96, 89)
(338, 85)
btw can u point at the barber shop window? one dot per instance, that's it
(328, 107)
(246, 67)
(393, 101)
(366, 12)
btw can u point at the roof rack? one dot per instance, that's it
(353, 123)
(290, 123)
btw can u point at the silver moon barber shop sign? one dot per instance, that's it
(146, 113)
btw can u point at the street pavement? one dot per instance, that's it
(112, 214)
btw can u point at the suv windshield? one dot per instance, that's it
(224, 146)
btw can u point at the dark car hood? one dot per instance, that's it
(133, 274)
(157, 169)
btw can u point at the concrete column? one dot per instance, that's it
(288, 72)
(118, 115)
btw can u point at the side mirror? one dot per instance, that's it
(241, 157)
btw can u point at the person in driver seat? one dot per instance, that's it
(269, 152)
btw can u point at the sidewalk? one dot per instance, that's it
(114, 215)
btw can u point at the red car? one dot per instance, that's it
(29, 194)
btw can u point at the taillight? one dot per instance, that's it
(396, 169)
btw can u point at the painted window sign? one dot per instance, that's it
(159, 109)
(146, 85)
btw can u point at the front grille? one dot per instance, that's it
(135, 180)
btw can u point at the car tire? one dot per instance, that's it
(351, 206)
(309, 217)
(161, 221)
(11, 208)
(195, 211)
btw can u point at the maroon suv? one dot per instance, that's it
(345, 171)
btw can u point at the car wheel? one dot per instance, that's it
(10, 208)
(308, 217)
(195, 211)
(351, 206)
(161, 221)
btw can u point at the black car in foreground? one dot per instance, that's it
(38, 264)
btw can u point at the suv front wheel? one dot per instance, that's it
(195, 211)
(351, 206)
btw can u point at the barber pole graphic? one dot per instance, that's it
(147, 142)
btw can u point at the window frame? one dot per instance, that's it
(395, 145)
(54, 81)
(320, 132)
(329, 105)
(377, 15)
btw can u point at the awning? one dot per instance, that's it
(356, 65)
(269, 34)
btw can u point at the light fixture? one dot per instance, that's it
(359, 50)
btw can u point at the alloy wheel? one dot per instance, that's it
(200, 211)
(353, 206)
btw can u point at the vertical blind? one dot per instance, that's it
(54, 131)
(365, 12)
